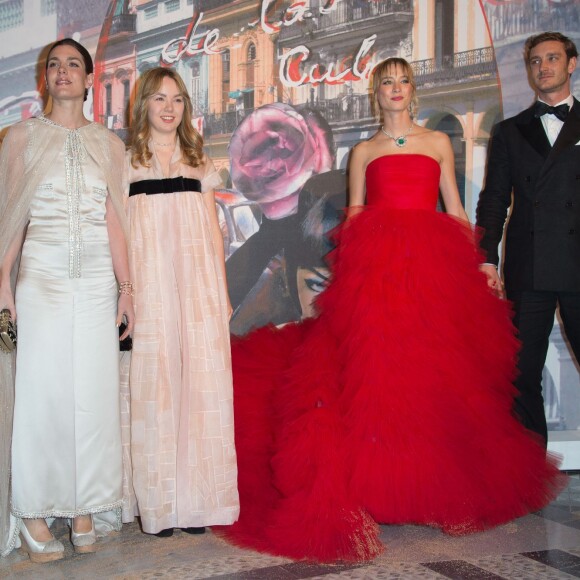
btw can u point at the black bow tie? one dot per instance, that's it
(561, 111)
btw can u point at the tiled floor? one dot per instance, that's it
(543, 545)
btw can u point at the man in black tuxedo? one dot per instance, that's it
(536, 156)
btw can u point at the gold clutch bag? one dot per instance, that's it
(7, 332)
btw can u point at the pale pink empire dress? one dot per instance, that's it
(184, 471)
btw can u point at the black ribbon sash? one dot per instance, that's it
(169, 185)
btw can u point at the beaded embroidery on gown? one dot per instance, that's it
(393, 406)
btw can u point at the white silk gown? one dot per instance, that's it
(66, 442)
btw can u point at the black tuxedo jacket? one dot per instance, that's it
(542, 246)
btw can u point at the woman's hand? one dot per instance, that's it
(7, 299)
(125, 310)
(6, 295)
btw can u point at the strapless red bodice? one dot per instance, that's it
(404, 181)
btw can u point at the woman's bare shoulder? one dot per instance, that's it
(364, 149)
(432, 135)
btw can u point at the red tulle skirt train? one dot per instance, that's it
(393, 406)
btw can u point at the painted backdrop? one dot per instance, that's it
(280, 94)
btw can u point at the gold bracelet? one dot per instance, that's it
(126, 288)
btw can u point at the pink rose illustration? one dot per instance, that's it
(274, 151)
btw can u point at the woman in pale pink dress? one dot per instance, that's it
(182, 431)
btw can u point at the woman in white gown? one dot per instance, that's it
(61, 212)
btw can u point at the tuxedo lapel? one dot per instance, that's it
(569, 135)
(570, 132)
(533, 132)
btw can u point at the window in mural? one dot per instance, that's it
(108, 101)
(172, 5)
(47, 7)
(444, 31)
(11, 14)
(126, 99)
(196, 87)
(225, 80)
(151, 12)
(250, 70)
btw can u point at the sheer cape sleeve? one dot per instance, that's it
(211, 178)
(29, 149)
(26, 154)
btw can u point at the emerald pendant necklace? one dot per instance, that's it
(401, 140)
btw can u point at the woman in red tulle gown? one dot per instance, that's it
(393, 405)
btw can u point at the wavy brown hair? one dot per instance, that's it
(382, 69)
(190, 141)
(533, 41)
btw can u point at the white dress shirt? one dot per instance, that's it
(553, 125)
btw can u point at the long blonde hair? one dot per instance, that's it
(190, 141)
(383, 69)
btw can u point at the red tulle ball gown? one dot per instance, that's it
(393, 406)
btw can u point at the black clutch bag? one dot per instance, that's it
(127, 343)
(7, 332)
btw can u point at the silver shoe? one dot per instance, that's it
(40, 552)
(83, 542)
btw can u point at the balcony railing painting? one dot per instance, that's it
(514, 20)
(344, 13)
(456, 68)
(224, 123)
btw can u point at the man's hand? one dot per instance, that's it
(494, 282)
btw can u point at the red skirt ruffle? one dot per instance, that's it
(393, 406)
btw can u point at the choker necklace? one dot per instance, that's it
(164, 144)
(401, 140)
